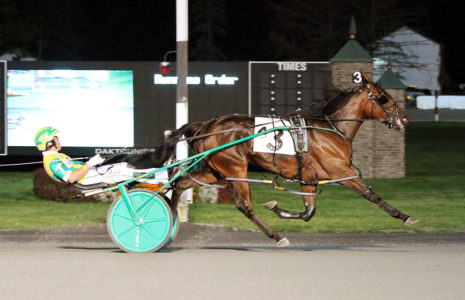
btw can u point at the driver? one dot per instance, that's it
(61, 167)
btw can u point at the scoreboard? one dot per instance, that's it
(277, 88)
(3, 119)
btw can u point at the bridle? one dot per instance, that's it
(392, 115)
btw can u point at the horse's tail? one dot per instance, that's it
(153, 158)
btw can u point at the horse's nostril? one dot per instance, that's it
(405, 120)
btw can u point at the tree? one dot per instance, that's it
(209, 22)
(13, 36)
(317, 29)
(43, 29)
(378, 19)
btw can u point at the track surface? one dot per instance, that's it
(211, 262)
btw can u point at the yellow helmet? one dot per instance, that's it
(44, 136)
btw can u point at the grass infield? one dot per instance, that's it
(433, 191)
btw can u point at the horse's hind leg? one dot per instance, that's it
(366, 192)
(185, 183)
(243, 204)
(309, 201)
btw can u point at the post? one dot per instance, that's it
(3, 118)
(436, 109)
(182, 104)
(181, 70)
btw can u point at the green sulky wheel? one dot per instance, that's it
(174, 231)
(155, 222)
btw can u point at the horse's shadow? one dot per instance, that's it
(116, 249)
(370, 248)
(276, 249)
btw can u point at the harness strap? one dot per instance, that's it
(218, 186)
(337, 180)
(300, 162)
(329, 181)
(279, 188)
(276, 187)
(298, 132)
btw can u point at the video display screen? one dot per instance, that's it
(90, 108)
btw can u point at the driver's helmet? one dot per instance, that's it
(44, 136)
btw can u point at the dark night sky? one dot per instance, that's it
(448, 28)
(145, 30)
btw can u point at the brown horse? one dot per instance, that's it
(328, 157)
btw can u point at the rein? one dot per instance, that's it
(33, 162)
(333, 129)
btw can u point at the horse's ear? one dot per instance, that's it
(367, 79)
(362, 78)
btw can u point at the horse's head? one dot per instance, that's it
(380, 105)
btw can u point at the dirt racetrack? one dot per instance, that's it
(203, 236)
(212, 262)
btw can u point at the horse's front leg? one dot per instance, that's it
(243, 204)
(366, 192)
(309, 198)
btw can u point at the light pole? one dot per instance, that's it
(182, 105)
(182, 37)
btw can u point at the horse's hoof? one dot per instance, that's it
(410, 221)
(271, 204)
(283, 243)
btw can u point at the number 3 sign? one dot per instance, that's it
(357, 77)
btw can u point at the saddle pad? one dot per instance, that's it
(279, 141)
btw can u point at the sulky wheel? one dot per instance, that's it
(153, 229)
(174, 230)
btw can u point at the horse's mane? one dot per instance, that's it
(329, 105)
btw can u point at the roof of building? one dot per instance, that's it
(407, 30)
(415, 58)
(352, 51)
(390, 80)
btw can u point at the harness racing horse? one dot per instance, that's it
(328, 157)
